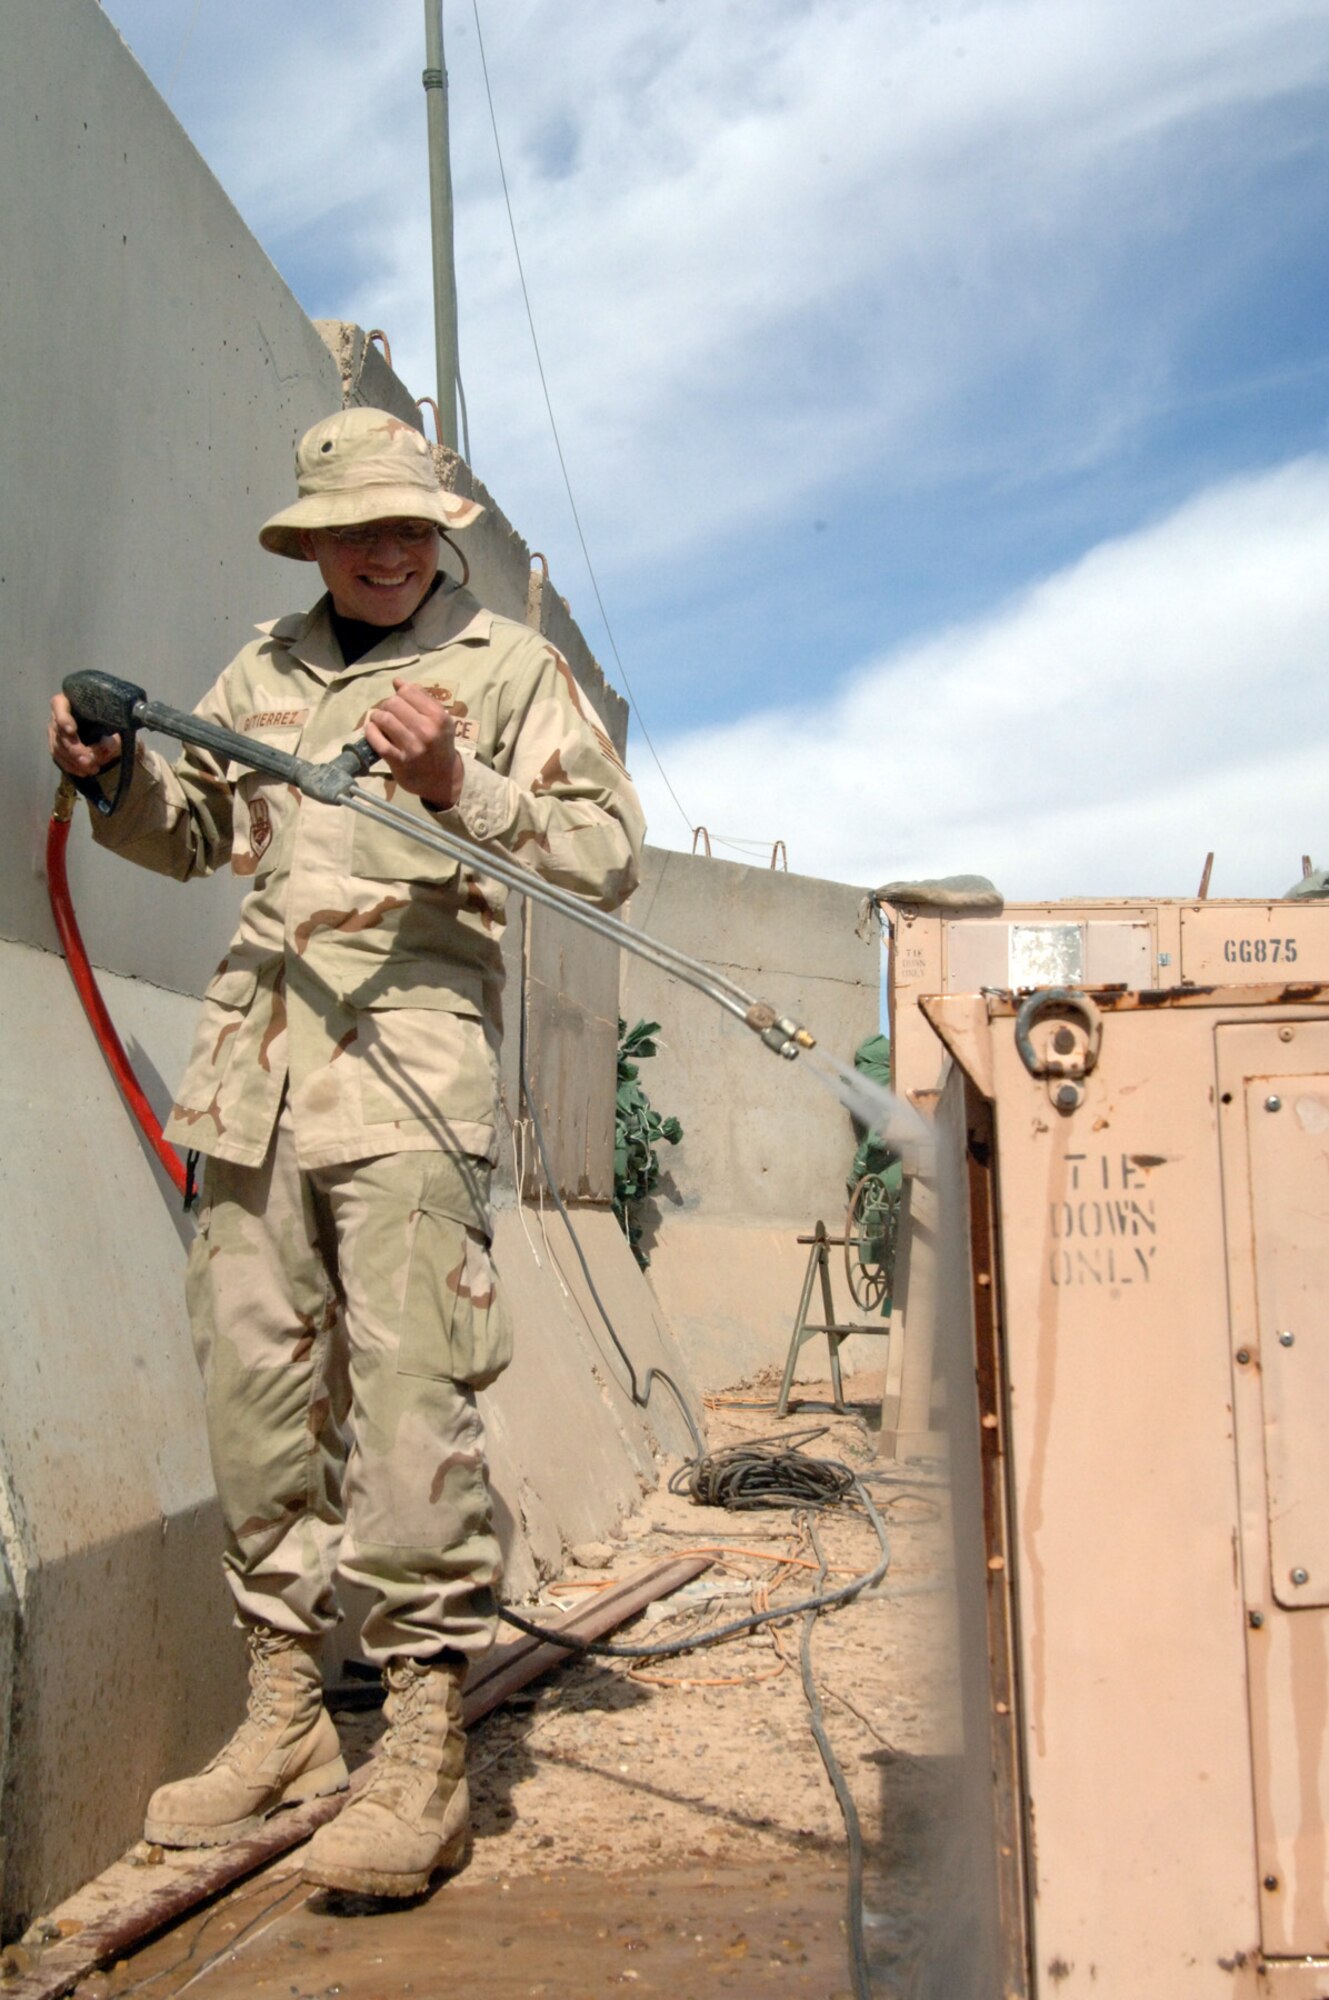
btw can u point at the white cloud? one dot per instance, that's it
(771, 248)
(1095, 736)
(799, 257)
(786, 251)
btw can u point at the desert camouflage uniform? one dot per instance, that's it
(343, 1083)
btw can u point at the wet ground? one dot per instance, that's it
(664, 1829)
(680, 1933)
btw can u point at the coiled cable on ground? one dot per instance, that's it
(764, 1472)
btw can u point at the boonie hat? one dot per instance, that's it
(363, 465)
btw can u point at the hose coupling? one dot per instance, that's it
(786, 1037)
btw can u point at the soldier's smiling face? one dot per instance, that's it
(379, 573)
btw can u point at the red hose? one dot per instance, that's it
(85, 982)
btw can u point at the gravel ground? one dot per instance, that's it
(711, 1758)
(622, 1795)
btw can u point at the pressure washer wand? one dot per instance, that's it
(105, 705)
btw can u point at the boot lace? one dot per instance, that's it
(408, 1738)
(417, 1749)
(265, 1648)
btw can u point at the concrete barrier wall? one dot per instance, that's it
(123, 1663)
(158, 375)
(158, 372)
(8, 1646)
(765, 1150)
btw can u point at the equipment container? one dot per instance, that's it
(1132, 1275)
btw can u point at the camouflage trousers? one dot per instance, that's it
(343, 1318)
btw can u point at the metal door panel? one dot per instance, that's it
(1274, 1079)
(1288, 1127)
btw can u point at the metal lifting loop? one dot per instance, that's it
(1073, 1058)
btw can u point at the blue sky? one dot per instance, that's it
(944, 386)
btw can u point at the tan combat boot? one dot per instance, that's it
(413, 1815)
(285, 1750)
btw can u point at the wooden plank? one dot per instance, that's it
(505, 1669)
(57, 1968)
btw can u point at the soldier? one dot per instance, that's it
(343, 1088)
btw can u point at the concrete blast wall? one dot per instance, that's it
(158, 373)
(765, 1151)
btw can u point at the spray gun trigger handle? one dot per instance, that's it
(90, 788)
(102, 701)
(103, 705)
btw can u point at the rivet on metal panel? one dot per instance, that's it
(1300, 1575)
(1255, 1620)
(1286, 1034)
(1063, 1041)
(1067, 1096)
(1243, 1356)
(1273, 1104)
(1271, 1881)
(1285, 1339)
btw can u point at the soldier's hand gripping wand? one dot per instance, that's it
(104, 705)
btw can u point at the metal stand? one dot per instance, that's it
(835, 1330)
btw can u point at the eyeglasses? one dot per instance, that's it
(413, 534)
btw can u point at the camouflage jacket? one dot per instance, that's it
(365, 972)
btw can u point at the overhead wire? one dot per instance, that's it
(174, 77)
(558, 442)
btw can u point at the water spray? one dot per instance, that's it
(104, 705)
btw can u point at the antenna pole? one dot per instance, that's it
(435, 81)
